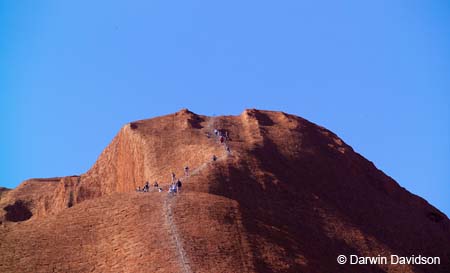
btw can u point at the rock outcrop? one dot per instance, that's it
(290, 196)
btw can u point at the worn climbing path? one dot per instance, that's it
(181, 254)
(171, 200)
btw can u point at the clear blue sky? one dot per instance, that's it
(377, 73)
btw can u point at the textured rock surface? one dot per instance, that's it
(290, 197)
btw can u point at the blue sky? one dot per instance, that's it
(374, 72)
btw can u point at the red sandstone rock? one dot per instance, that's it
(290, 197)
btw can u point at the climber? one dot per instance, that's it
(146, 187)
(155, 184)
(227, 148)
(214, 158)
(216, 132)
(178, 185)
(160, 189)
(222, 139)
(186, 171)
(173, 177)
(172, 189)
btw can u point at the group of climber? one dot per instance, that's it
(146, 187)
(222, 137)
(175, 186)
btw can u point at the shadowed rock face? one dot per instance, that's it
(17, 212)
(290, 197)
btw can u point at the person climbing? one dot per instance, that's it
(160, 189)
(226, 135)
(214, 158)
(173, 189)
(186, 171)
(146, 187)
(227, 148)
(138, 189)
(222, 139)
(155, 184)
(178, 185)
(216, 132)
(173, 177)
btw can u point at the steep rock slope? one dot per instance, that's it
(290, 197)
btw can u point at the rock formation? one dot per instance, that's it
(289, 196)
